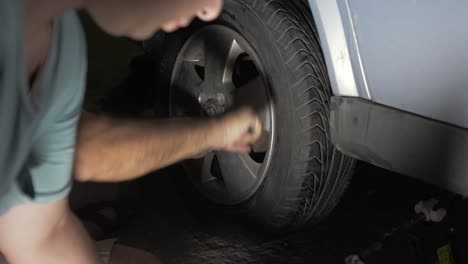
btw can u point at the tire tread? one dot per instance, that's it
(311, 194)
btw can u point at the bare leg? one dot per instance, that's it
(45, 234)
(112, 253)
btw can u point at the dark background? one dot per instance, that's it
(170, 222)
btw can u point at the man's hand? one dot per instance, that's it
(237, 131)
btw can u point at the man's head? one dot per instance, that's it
(139, 19)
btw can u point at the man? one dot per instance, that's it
(42, 76)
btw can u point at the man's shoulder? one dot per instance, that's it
(72, 63)
(9, 31)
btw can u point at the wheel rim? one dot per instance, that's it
(215, 71)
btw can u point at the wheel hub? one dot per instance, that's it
(213, 108)
(213, 104)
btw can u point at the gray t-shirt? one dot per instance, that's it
(38, 130)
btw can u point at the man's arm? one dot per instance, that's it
(112, 150)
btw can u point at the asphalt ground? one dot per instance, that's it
(170, 222)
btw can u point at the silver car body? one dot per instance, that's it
(407, 56)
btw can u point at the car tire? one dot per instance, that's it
(307, 175)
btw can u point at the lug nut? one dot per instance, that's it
(202, 98)
(221, 98)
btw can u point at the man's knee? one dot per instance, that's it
(32, 226)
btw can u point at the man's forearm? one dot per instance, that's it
(111, 150)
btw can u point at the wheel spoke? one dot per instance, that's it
(189, 81)
(206, 170)
(239, 172)
(201, 168)
(195, 54)
(251, 95)
(187, 89)
(220, 54)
